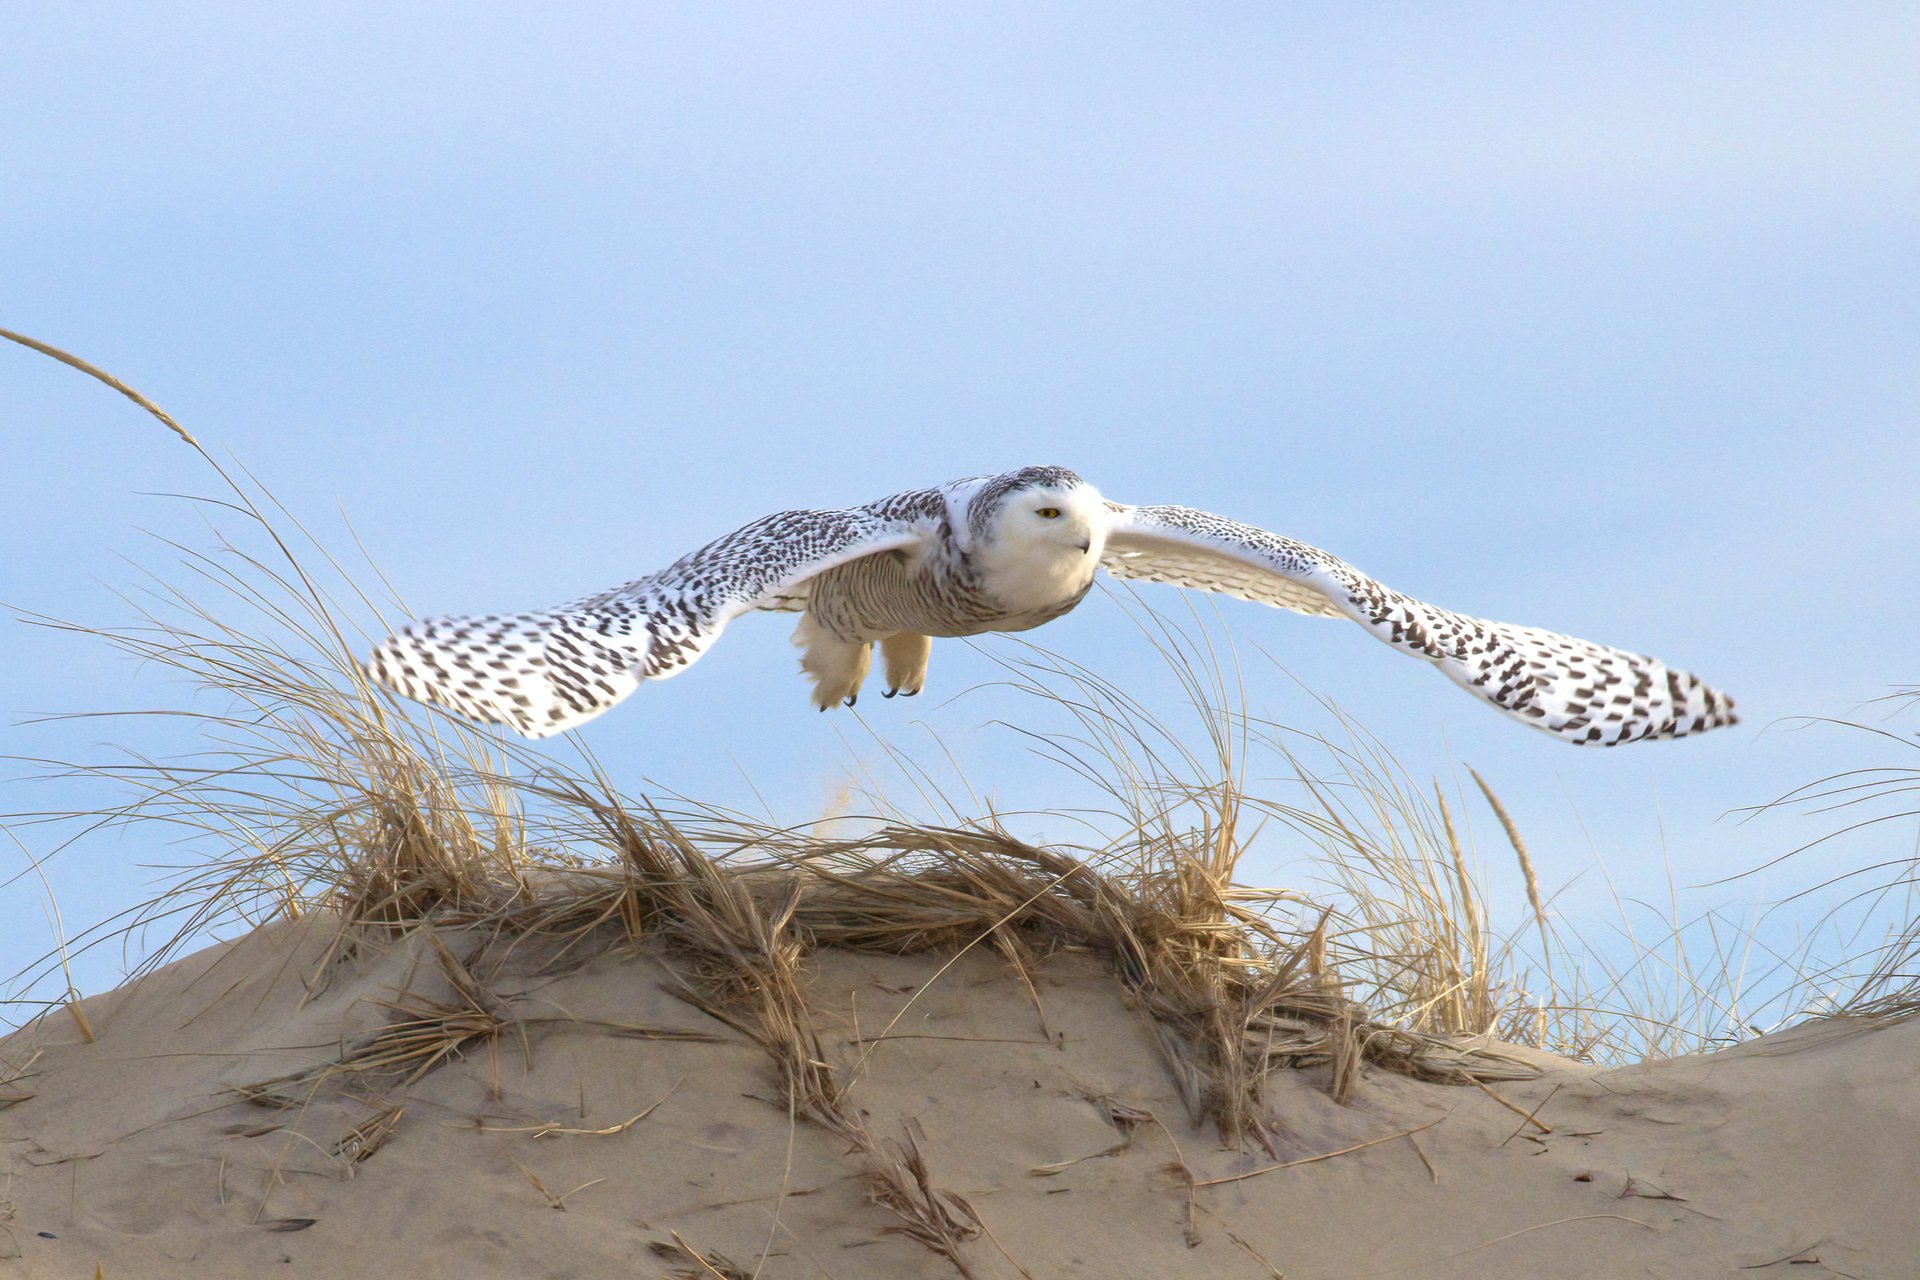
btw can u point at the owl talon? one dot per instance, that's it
(890, 693)
(851, 699)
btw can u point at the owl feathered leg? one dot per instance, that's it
(906, 654)
(837, 667)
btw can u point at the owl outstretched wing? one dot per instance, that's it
(1583, 692)
(542, 673)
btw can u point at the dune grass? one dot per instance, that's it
(1875, 803)
(315, 791)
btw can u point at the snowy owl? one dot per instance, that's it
(993, 553)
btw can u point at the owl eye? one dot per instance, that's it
(1048, 513)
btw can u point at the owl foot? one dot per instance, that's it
(837, 667)
(905, 654)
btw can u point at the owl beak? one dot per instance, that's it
(1086, 546)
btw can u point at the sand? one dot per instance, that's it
(572, 1145)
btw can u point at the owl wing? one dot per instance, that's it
(545, 672)
(1583, 692)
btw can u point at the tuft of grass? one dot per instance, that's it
(694, 1264)
(59, 929)
(424, 1034)
(940, 1220)
(1872, 802)
(13, 1077)
(365, 1139)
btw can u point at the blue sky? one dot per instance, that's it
(1605, 321)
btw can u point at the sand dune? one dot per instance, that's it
(580, 1142)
